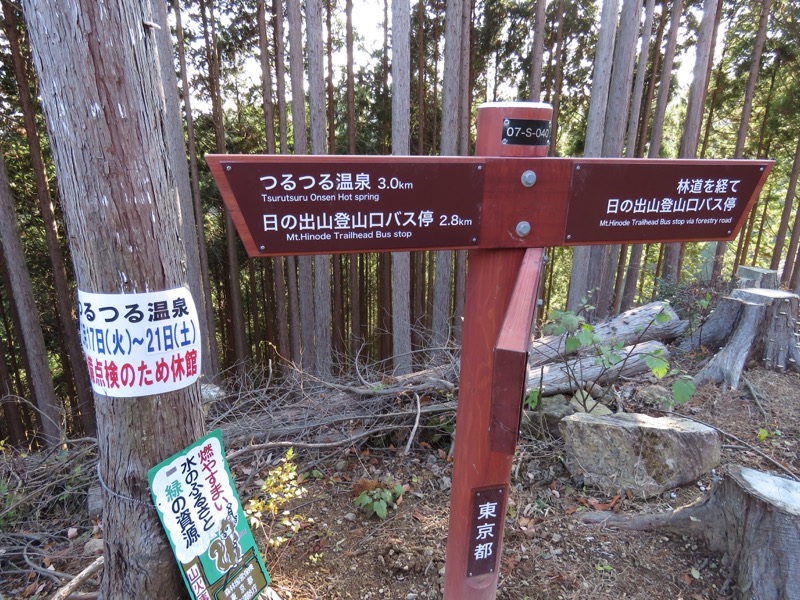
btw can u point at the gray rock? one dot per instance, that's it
(583, 401)
(595, 389)
(94, 502)
(636, 453)
(653, 395)
(553, 409)
(93, 547)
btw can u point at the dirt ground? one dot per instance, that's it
(548, 553)
(325, 547)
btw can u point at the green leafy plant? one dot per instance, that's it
(378, 497)
(532, 399)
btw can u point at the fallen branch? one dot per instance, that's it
(78, 580)
(756, 398)
(414, 429)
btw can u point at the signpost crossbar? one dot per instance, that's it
(294, 205)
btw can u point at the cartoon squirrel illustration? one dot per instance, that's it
(225, 549)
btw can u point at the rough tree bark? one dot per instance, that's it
(100, 88)
(211, 366)
(449, 147)
(558, 82)
(538, 50)
(235, 308)
(317, 120)
(619, 99)
(586, 258)
(268, 107)
(401, 145)
(788, 205)
(300, 137)
(30, 329)
(69, 332)
(12, 422)
(704, 57)
(747, 107)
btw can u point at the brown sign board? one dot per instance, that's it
(659, 200)
(351, 205)
(292, 205)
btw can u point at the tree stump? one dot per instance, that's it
(754, 277)
(778, 333)
(716, 329)
(751, 516)
(753, 324)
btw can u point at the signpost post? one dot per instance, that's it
(505, 205)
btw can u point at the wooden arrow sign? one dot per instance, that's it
(284, 205)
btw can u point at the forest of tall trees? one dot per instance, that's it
(677, 78)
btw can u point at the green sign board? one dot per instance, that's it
(200, 510)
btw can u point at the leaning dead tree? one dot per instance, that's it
(752, 517)
(751, 325)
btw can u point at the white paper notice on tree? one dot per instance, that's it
(140, 344)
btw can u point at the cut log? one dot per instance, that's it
(727, 364)
(763, 329)
(716, 329)
(751, 516)
(629, 453)
(571, 375)
(777, 343)
(755, 277)
(631, 327)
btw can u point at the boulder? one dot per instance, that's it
(552, 409)
(636, 453)
(93, 547)
(653, 395)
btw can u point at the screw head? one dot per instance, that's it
(262, 248)
(528, 178)
(523, 228)
(227, 167)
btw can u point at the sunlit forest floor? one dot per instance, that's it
(322, 545)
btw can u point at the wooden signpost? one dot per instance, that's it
(505, 205)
